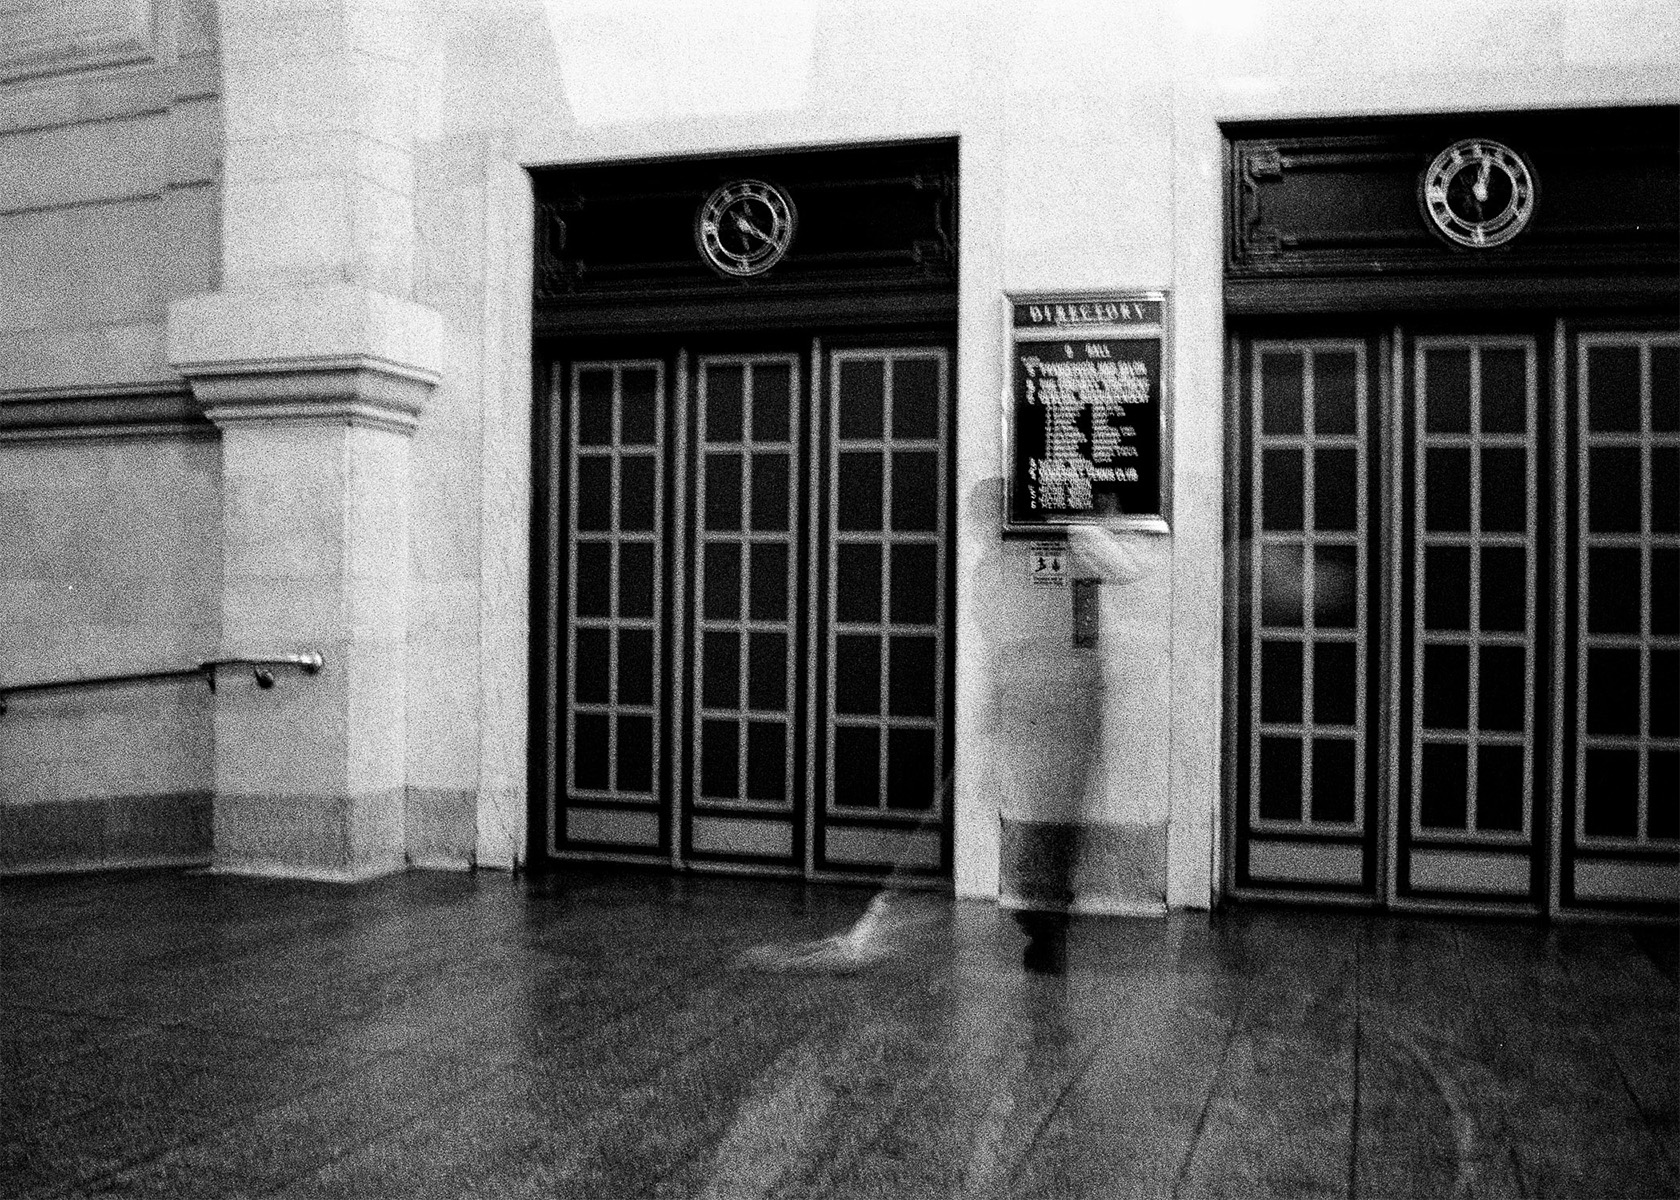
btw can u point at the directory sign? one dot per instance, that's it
(1087, 411)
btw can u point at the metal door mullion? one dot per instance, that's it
(1361, 592)
(830, 565)
(656, 752)
(672, 805)
(1420, 400)
(1227, 837)
(943, 522)
(1647, 467)
(886, 453)
(790, 591)
(691, 482)
(1612, 437)
(617, 492)
(568, 711)
(1617, 641)
(1620, 741)
(1473, 703)
(1309, 589)
(1631, 541)
(1390, 446)
(555, 710)
(1583, 542)
(1531, 598)
(742, 657)
(810, 398)
(1252, 816)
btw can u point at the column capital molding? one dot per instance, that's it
(355, 390)
(333, 355)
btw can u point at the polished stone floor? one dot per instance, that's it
(603, 1036)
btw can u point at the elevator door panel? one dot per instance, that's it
(1621, 817)
(1305, 759)
(743, 634)
(883, 799)
(614, 732)
(1468, 690)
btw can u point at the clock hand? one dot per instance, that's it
(1480, 191)
(746, 226)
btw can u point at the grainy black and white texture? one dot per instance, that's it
(599, 1035)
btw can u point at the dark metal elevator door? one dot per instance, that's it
(742, 623)
(750, 664)
(1471, 607)
(1456, 583)
(615, 736)
(1390, 617)
(1306, 755)
(1620, 819)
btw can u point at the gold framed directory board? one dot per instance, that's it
(1086, 422)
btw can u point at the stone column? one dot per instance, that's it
(315, 362)
(315, 446)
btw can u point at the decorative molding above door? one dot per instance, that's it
(1334, 215)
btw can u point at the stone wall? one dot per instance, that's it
(110, 479)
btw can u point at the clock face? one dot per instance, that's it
(1478, 193)
(745, 227)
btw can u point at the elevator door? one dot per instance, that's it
(1469, 547)
(1619, 822)
(750, 594)
(1455, 597)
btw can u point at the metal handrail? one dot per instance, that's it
(309, 663)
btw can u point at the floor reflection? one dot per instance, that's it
(609, 1035)
(1046, 949)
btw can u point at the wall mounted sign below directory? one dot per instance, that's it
(1087, 413)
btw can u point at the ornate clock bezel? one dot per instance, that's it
(1500, 228)
(777, 240)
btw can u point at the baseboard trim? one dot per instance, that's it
(93, 866)
(262, 870)
(1084, 906)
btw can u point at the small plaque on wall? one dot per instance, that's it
(1087, 414)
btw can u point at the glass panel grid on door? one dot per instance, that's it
(1624, 840)
(883, 800)
(1525, 604)
(1304, 764)
(725, 537)
(1473, 619)
(745, 609)
(614, 683)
